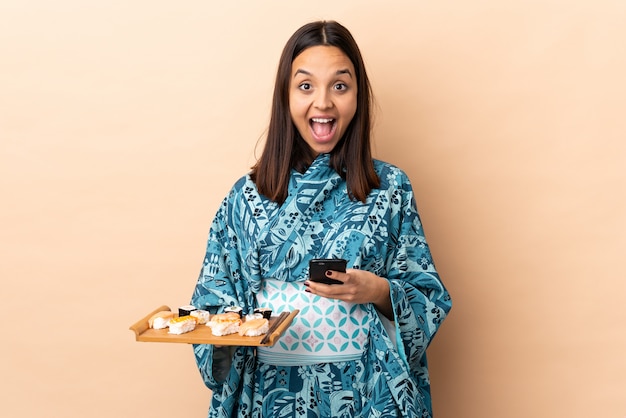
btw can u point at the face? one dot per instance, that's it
(322, 96)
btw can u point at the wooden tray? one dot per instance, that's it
(203, 335)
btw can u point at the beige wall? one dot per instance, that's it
(124, 123)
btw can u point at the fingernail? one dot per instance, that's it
(329, 273)
(306, 283)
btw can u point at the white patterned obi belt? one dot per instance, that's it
(324, 331)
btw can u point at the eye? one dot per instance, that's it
(340, 86)
(304, 86)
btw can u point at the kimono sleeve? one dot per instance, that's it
(420, 299)
(218, 286)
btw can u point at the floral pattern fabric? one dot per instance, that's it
(253, 239)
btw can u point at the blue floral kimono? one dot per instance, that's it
(253, 240)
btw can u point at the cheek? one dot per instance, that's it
(298, 117)
(349, 106)
(295, 108)
(349, 112)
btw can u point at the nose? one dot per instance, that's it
(323, 100)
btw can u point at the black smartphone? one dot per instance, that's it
(319, 266)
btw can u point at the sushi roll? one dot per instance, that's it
(186, 310)
(201, 316)
(235, 309)
(253, 316)
(266, 312)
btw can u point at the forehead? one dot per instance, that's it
(321, 59)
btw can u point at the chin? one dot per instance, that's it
(323, 148)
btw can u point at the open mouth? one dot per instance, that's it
(323, 128)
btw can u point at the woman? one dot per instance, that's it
(356, 348)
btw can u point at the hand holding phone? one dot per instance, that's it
(319, 266)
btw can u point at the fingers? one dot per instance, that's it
(336, 275)
(359, 286)
(345, 291)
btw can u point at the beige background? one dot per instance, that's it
(124, 123)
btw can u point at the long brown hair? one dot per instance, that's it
(286, 150)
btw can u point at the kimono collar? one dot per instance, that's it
(319, 169)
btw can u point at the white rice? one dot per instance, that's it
(258, 331)
(220, 329)
(182, 326)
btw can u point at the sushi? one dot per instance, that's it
(201, 316)
(224, 323)
(266, 312)
(182, 324)
(254, 327)
(160, 320)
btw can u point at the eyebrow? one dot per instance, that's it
(339, 72)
